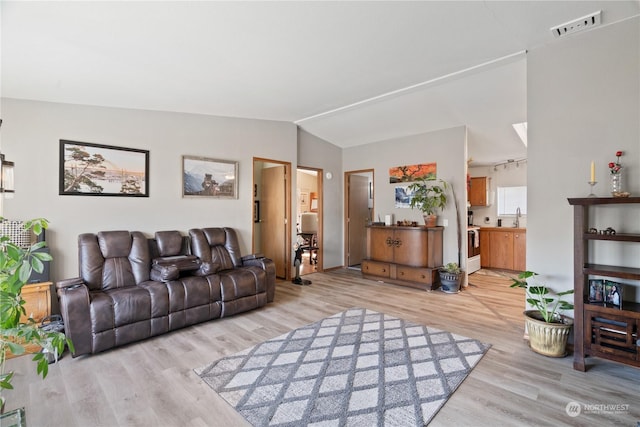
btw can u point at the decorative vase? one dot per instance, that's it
(548, 339)
(616, 183)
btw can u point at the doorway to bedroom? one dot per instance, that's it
(309, 219)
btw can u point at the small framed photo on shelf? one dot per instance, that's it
(596, 291)
(613, 293)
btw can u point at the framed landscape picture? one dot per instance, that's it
(410, 173)
(203, 177)
(88, 169)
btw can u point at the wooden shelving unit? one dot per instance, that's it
(601, 331)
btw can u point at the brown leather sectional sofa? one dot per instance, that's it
(132, 287)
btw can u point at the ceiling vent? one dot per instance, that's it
(586, 22)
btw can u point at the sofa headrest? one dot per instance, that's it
(215, 236)
(114, 244)
(169, 243)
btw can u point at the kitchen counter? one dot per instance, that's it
(507, 229)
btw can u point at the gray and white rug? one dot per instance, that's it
(358, 367)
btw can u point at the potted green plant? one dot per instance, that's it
(16, 265)
(428, 196)
(548, 329)
(450, 277)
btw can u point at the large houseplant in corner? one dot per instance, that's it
(428, 196)
(548, 330)
(16, 265)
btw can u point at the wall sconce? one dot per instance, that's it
(6, 175)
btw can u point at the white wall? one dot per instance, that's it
(447, 148)
(511, 176)
(317, 153)
(583, 105)
(30, 137)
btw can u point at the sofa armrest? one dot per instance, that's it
(164, 273)
(73, 295)
(207, 268)
(252, 256)
(69, 283)
(269, 267)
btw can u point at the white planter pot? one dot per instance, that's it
(548, 339)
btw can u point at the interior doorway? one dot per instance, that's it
(359, 202)
(271, 213)
(309, 222)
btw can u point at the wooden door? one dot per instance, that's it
(273, 217)
(501, 243)
(379, 247)
(357, 217)
(411, 247)
(485, 248)
(520, 251)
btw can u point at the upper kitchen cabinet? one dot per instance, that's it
(479, 191)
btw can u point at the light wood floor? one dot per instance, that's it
(152, 383)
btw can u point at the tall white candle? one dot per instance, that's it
(593, 171)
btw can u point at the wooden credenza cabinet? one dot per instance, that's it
(408, 256)
(503, 248)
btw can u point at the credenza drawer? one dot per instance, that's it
(420, 275)
(373, 268)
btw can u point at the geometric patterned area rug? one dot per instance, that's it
(358, 367)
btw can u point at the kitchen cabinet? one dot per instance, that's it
(479, 191)
(602, 330)
(485, 248)
(503, 248)
(408, 256)
(520, 251)
(501, 254)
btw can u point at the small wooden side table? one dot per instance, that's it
(37, 297)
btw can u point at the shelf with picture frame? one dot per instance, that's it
(603, 329)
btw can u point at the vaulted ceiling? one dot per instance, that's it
(349, 72)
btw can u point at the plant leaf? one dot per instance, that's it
(42, 256)
(15, 349)
(24, 272)
(538, 290)
(5, 381)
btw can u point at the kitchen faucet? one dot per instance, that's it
(516, 223)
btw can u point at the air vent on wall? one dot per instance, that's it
(589, 21)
